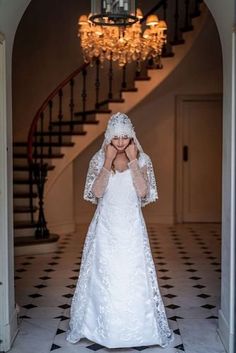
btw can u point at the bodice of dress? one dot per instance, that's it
(120, 192)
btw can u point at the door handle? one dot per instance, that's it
(185, 153)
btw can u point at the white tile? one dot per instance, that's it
(35, 335)
(200, 336)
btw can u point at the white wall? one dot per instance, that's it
(59, 207)
(154, 121)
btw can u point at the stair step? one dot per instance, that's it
(45, 144)
(129, 89)
(107, 101)
(44, 155)
(24, 224)
(63, 133)
(23, 195)
(22, 181)
(142, 78)
(24, 209)
(26, 167)
(92, 112)
(75, 122)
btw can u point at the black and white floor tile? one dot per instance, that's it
(187, 258)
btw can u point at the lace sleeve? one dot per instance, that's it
(140, 178)
(146, 166)
(100, 183)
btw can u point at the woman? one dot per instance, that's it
(117, 302)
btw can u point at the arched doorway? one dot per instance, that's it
(11, 15)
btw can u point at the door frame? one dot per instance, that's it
(8, 322)
(179, 102)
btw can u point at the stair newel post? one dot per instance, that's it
(187, 24)
(97, 83)
(60, 116)
(110, 78)
(40, 177)
(50, 104)
(84, 93)
(72, 105)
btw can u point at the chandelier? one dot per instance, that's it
(110, 35)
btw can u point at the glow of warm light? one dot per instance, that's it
(122, 44)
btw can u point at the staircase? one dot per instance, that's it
(70, 119)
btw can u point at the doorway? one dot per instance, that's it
(198, 158)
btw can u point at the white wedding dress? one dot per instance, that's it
(117, 302)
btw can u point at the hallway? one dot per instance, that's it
(187, 258)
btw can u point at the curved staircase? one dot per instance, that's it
(63, 126)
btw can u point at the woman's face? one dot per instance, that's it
(120, 142)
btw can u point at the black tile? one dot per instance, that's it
(62, 317)
(203, 295)
(212, 317)
(169, 296)
(49, 270)
(175, 317)
(29, 306)
(64, 306)
(140, 348)
(35, 295)
(54, 346)
(167, 286)
(165, 277)
(199, 286)
(45, 277)
(59, 331)
(95, 347)
(191, 270)
(195, 278)
(180, 346)
(177, 331)
(69, 295)
(40, 286)
(208, 306)
(71, 286)
(25, 317)
(21, 270)
(172, 306)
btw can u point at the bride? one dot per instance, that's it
(117, 302)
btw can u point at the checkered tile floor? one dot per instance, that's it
(187, 258)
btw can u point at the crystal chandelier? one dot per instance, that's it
(103, 36)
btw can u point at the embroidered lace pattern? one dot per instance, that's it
(100, 183)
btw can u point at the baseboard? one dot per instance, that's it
(8, 332)
(224, 332)
(61, 228)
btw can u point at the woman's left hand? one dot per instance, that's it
(131, 151)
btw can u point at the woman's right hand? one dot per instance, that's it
(110, 152)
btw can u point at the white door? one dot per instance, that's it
(199, 158)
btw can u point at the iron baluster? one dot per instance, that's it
(84, 93)
(60, 116)
(50, 127)
(97, 83)
(72, 105)
(110, 78)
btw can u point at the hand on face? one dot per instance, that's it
(131, 150)
(110, 152)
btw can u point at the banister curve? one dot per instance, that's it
(43, 106)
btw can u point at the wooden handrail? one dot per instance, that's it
(44, 105)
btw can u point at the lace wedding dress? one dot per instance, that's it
(117, 302)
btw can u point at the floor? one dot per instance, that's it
(187, 258)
